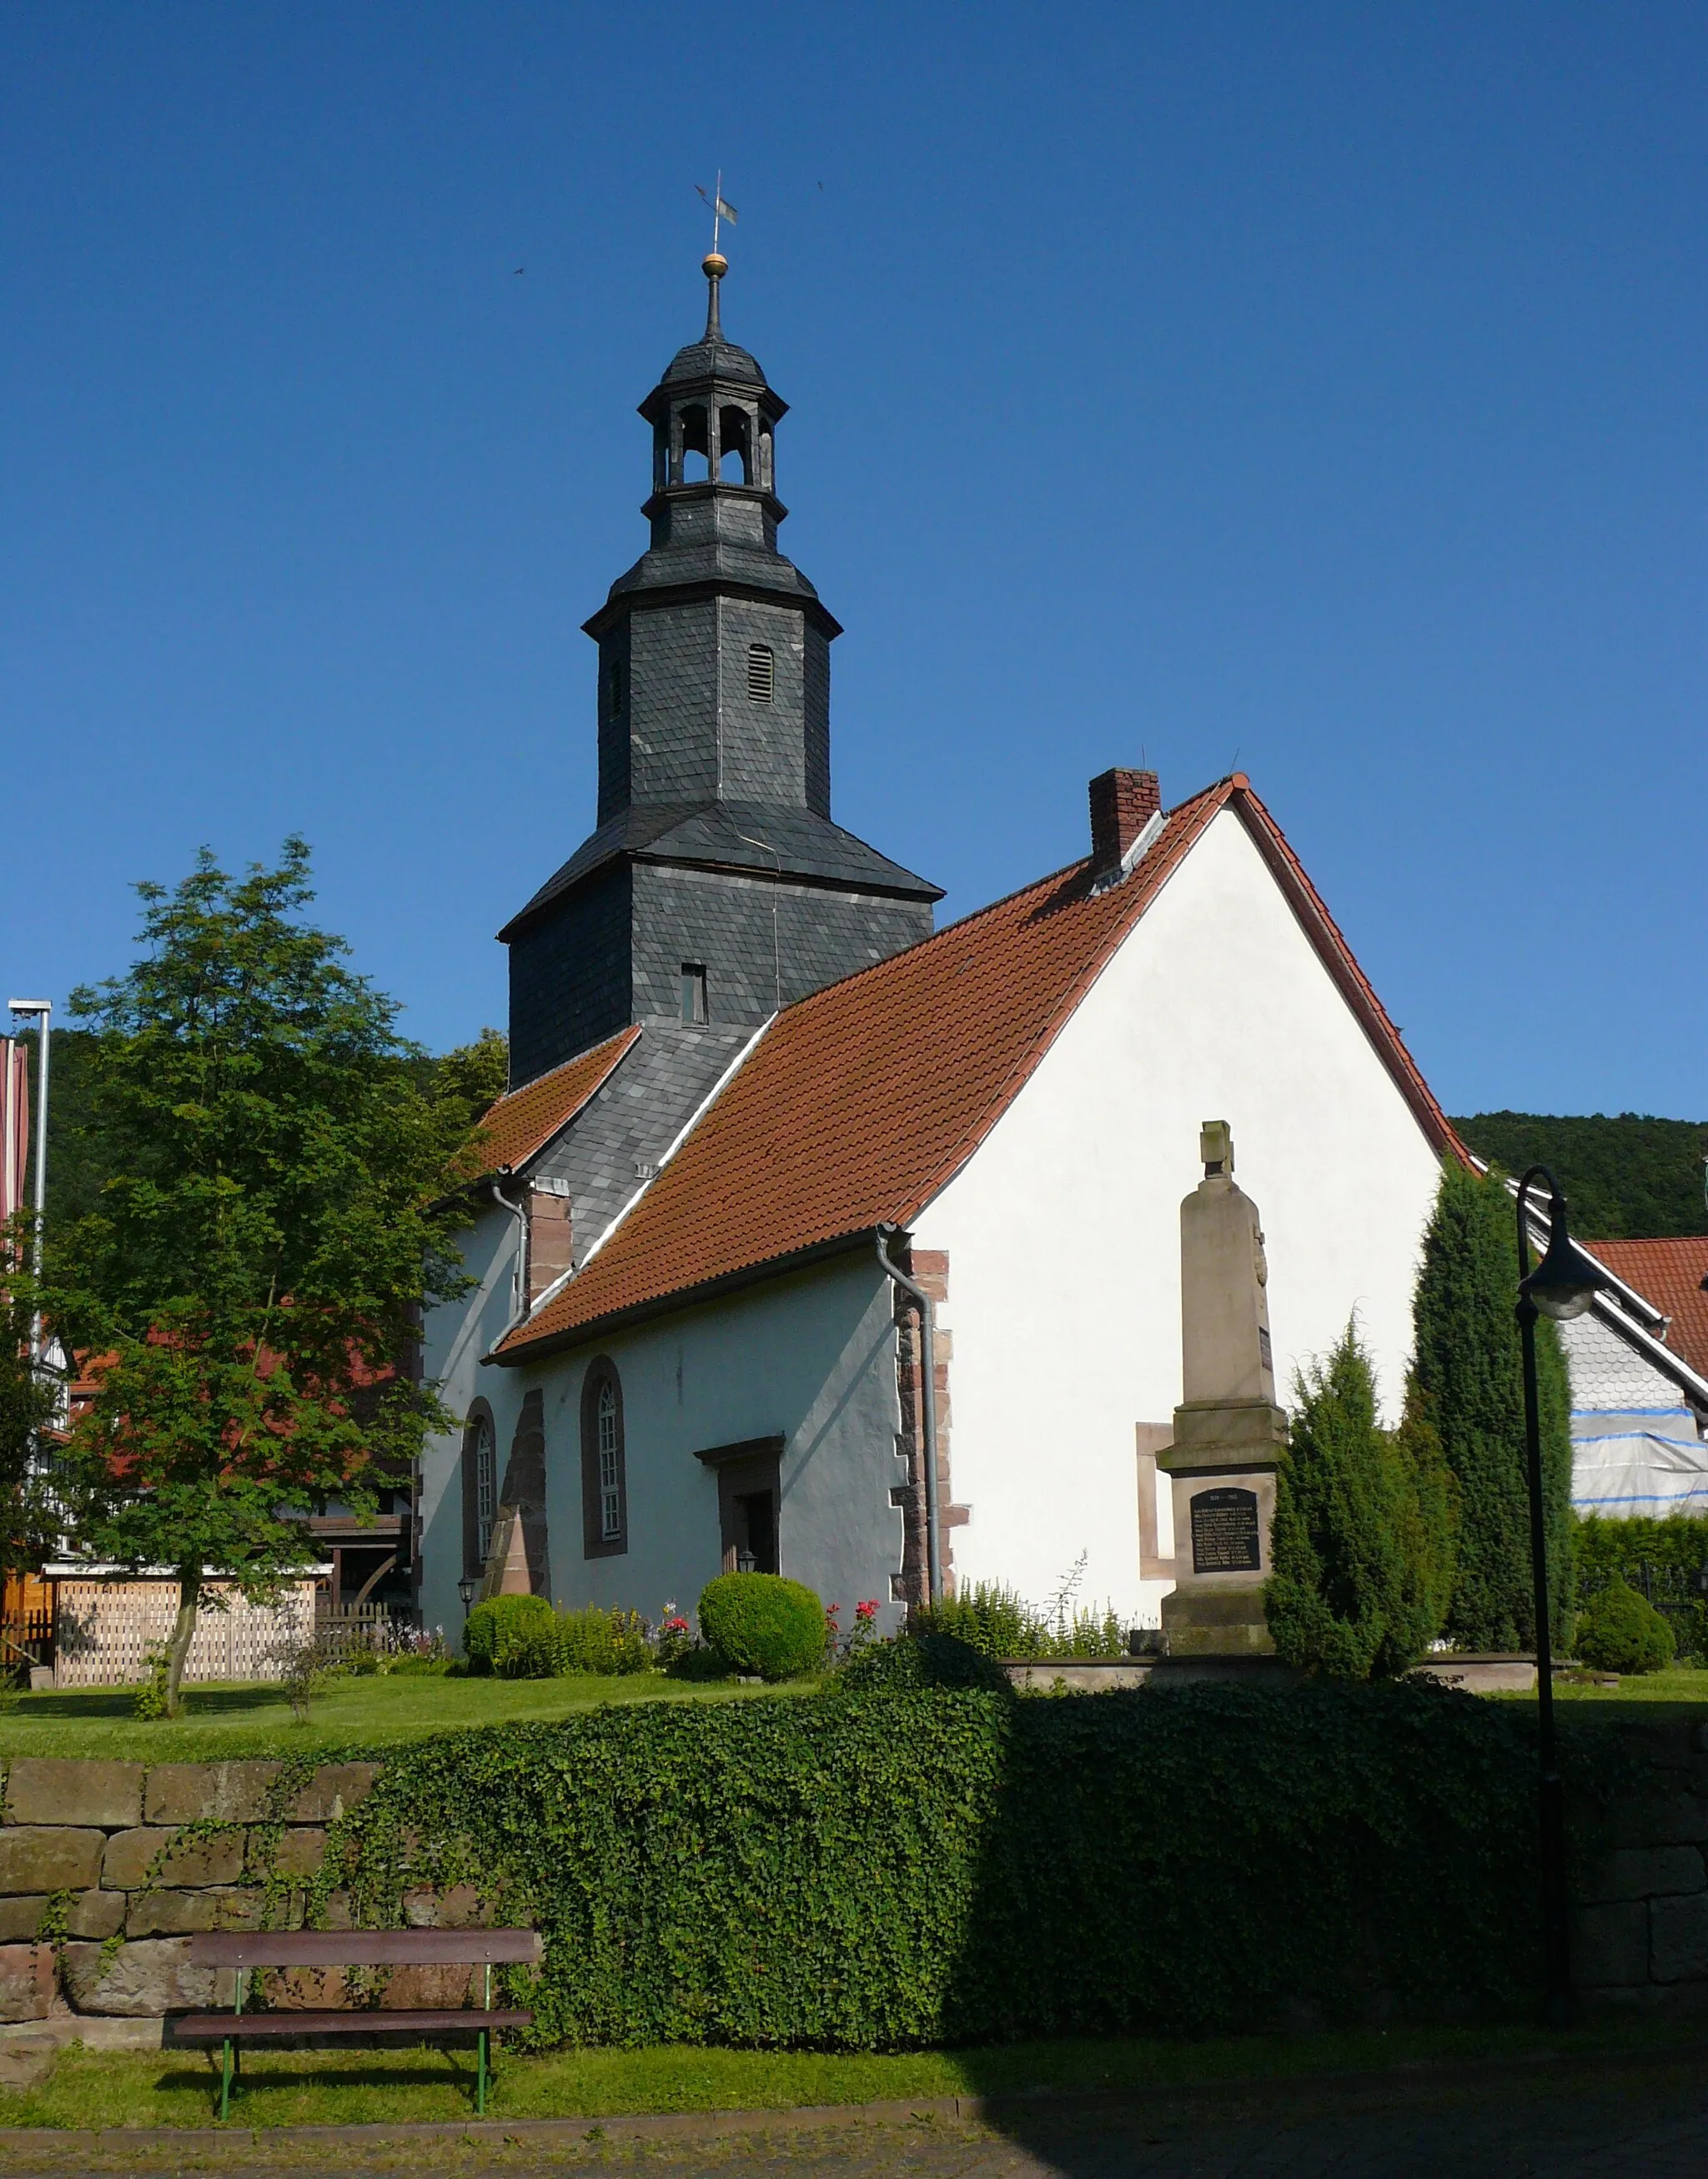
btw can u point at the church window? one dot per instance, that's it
(693, 994)
(604, 1485)
(696, 446)
(762, 673)
(734, 466)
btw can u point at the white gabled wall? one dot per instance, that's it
(1063, 1231)
(811, 1356)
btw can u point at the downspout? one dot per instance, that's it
(928, 1365)
(519, 1212)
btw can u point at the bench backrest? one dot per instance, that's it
(362, 1948)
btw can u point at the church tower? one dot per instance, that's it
(716, 887)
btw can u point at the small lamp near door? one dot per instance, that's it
(466, 1588)
(745, 1563)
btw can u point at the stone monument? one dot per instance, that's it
(1228, 1432)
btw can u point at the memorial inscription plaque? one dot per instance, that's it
(1225, 1532)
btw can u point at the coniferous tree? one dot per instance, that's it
(1362, 1538)
(1470, 1371)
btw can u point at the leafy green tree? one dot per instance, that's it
(246, 1289)
(1631, 1176)
(28, 1403)
(1469, 1370)
(1362, 1537)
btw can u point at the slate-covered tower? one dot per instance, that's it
(716, 887)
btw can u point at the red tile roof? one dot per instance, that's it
(859, 1103)
(523, 1123)
(1670, 1274)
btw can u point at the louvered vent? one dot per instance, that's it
(762, 673)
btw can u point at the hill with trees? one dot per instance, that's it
(1631, 1177)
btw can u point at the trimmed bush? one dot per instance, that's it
(499, 1625)
(1672, 1546)
(760, 1624)
(1618, 1631)
(1469, 1372)
(857, 1871)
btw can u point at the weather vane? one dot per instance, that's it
(720, 210)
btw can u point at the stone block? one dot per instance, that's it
(26, 1981)
(458, 1907)
(46, 1790)
(300, 1852)
(175, 1913)
(1610, 1945)
(1679, 1939)
(203, 1792)
(1647, 1873)
(131, 1856)
(1661, 1819)
(404, 1988)
(141, 1981)
(92, 1914)
(333, 1792)
(49, 1857)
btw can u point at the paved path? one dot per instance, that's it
(1641, 2123)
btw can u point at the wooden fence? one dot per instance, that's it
(108, 1632)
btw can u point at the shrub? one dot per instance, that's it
(854, 1870)
(606, 1642)
(997, 1622)
(1362, 1538)
(1468, 1372)
(493, 1628)
(1673, 1546)
(1618, 1631)
(761, 1623)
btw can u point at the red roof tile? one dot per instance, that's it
(1670, 1274)
(859, 1103)
(523, 1123)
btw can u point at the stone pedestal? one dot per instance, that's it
(1228, 1431)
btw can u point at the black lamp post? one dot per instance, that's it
(466, 1588)
(1561, 1286)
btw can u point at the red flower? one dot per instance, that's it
(866, 1611)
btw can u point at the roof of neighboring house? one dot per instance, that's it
(857, 1105)
(1670, 1274)
(521, 1123)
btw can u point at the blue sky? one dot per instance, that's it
(1314, 389)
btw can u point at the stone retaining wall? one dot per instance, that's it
(97, 1903)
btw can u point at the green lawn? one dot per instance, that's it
(1686, 1683)
(256, 1719)
(88, 2088)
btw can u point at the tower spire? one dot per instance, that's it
(714, 266)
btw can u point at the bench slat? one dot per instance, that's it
(363, 1948)
(215, 2026)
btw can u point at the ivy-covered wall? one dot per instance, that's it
(864, 1870)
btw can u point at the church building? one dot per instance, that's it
(816, 1240)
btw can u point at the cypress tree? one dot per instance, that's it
(1362, 1540)
(1470, 1374)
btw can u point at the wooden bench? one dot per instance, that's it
(244, 1949)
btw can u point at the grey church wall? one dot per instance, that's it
(615, 680)
(570, 976)
(453, 1339)
(672, 703)
(816, 701)
(762, 752)
(725, 922)
(811, 1356)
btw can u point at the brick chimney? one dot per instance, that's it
(1122, 803)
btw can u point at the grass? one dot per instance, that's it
(256, 1719)
(110, 2089)
(1681, 1683)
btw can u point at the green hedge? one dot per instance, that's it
(1673, 1548)
(884, 1866)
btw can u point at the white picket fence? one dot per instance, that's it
(106, 1631)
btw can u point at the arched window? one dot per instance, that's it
(734, 465)
(762, 673)
(696, 446)
(479, 1490)
(604, 1482)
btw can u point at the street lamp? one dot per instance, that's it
(466, 1588)
(1561, 1287)
(43, 1011)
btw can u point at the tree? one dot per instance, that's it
(28, 1403)
(1469, 1369)
(1363, 1528)
(1635, 1175)
(247, 1291)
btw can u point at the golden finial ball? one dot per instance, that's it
(714, 267)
